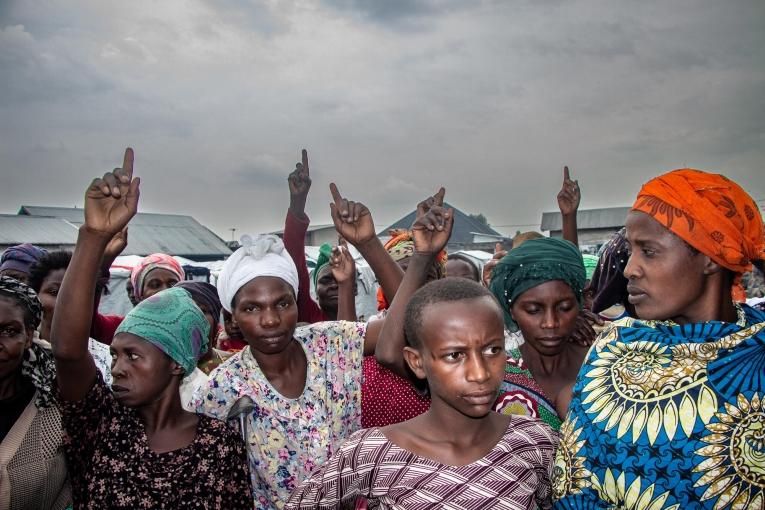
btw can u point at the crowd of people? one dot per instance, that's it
(546, 378)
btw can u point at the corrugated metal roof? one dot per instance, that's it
(464, 230)
(311, 228)
(611, 217)
(151, 233)
(70, 214)
(29, 229)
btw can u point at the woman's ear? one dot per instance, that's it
(710, 266)
(177, 369)
(414, 360)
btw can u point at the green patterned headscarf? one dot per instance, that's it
(533, 263)
(590, 263)
(322, 260)
(171, 321)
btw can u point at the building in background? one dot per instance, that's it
(48, 233)
(174, 234)
(316, 235)
(594, 226)
(467, 233)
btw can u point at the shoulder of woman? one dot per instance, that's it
(534, 429)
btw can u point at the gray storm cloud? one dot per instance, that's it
(392, 99)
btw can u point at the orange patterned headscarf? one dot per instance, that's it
(401, 246)
(709, 212)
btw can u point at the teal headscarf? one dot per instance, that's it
(322, 260)
(171, 321)
(533, 263)
(590, 263)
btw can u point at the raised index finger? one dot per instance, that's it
(336, 196)
(127, 164)
(566, 176)
(305, 162)
(439, 196)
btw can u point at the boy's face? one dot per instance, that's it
(462, 354)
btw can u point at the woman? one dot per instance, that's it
(458, 454)
(305, 382)
(45, 279)
(33, 472)
(133, 445)
(608, 286)
(17, 261)
(668, 410)
(539, 286)
(154, 273)
(205, 296)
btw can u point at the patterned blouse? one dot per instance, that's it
(514, 475)
(668, 417)
(520, 393)
(288, 438)
(112, 466)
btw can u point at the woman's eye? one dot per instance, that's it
(493, 350)
(453, 356)
(132, 356)
(532, 311)
(648, 253)
(284, 304)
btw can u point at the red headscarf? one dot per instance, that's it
(153, 261)
(711, 213)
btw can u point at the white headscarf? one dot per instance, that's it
(265, 256)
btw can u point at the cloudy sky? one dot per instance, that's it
(392, 99)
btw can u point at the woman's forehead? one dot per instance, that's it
(264, 287)
(125, 340)
(10, 309)
(160, 273)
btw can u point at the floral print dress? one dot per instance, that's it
(289, 438)
(111, 465)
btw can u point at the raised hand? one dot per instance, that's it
(353, 221)
(499, 252)
(299, 183)
(569, 195)
(112, 200)
(433, 226)
(342, 264)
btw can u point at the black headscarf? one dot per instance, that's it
(608, 284)
(205, 293)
